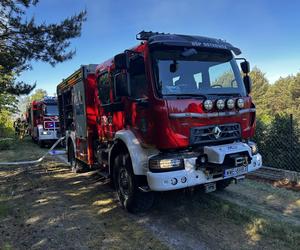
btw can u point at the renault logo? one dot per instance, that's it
(217, 132)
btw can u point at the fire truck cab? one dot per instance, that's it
(42, 118)
(171, 113)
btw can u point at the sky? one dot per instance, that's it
(267, 31)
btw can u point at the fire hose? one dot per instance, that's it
(35, 161)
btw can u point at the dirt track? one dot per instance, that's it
(47, 206)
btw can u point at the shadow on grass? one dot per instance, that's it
(47, 206)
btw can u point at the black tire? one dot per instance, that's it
(221, 185)
(76, 165)
(130, 197)
(41, 143)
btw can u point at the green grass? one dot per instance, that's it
(21, 150)
(3, 206)
(6, 246)
(257, 226)
(7, 143)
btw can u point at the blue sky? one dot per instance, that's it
(267, 32)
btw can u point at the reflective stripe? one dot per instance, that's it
(211, 115)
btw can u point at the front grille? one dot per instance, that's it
(215, 133)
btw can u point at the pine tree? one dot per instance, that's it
(22, 41)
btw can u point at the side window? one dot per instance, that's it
(138, 82)
(121, 85)
(104, 88)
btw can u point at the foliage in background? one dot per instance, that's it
(6, 124)
(279, 142)
(282, 97)
(23, 40)
(25, 100)
(277, 132)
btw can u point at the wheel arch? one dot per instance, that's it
(126, 140)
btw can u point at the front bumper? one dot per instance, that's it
(190, 176)
(48, 135)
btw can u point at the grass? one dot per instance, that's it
(7, 246)
(256, 226)
(19, 150)
(7, 143)
(4, 207)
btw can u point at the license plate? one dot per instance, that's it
(231, 172)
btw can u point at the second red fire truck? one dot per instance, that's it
(171, 113)
(42, 119)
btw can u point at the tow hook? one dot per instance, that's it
(238, 179)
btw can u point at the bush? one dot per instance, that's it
(279, 142)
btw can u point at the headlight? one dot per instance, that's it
(165, 164)
(240, 103)
(208, 104)
(220, 104)
(44, 133)
(230, 103)
(253, 147)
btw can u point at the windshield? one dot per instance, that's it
(183, 71)
(51, 110)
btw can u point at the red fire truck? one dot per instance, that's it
(42, 118)
(171, 113)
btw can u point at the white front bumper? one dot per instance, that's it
(48, 135)
(189, 177)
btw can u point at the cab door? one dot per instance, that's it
(138, 95)
(104, 89)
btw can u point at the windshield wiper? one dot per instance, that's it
(179, 96)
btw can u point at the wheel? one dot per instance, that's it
(76, 165)
(130, 197)
(221, 185)
(41, 143)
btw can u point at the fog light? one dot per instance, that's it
(183, 179)
(208, 104)
(240, 103)
(220, 104)
(230, 103)
(174, 181)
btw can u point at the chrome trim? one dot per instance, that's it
(211, 115)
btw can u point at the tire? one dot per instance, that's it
(76, 165)
(130, 197)
(41, 143)
(221, 185)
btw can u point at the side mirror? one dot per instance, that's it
(245, 65)
(121, 61)
(247, 83)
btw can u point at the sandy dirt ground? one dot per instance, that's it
(48, 207)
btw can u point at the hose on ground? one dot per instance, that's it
(34, 161)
